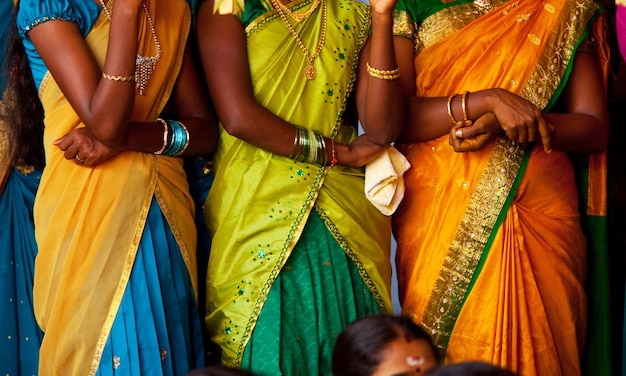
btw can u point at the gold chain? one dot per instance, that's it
(309, 71)
(299, 16)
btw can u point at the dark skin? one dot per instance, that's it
(584, 127)
(105, 106)
(222, 45)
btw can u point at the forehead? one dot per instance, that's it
(403, 358)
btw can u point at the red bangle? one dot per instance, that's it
(333, 161)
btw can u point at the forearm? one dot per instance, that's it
(110, 126)
(381, 106)
(578, 133)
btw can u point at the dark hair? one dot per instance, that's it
(219, 370)
(22, 111)
(359, 346)
(469, 369)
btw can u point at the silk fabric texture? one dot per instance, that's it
(514, 295)
(259, 203)
(89, 220)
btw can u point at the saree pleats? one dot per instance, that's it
(89, 221)
(20, 336)
(297, 327)
(491, 254)
(260, 202)
(155, 336)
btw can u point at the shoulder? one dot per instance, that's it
(34, 12)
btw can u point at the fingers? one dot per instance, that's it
(545, 130)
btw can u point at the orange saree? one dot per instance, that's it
(491, 255)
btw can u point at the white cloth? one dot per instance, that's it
(384, 182)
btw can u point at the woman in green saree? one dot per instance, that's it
(298, 252)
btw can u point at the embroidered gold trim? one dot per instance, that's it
(470, 238)
(403, 25)
(449, 21)
(343, 243)
(553, 63)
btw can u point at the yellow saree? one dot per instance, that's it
(89, 220)
(491, 256)
(260, 202)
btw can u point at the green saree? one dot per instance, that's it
(261, 204)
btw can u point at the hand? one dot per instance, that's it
(83, 148)
(521, 120)
(471, 136)
(382, 7)
(360, 151)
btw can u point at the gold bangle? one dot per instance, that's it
(118, 78)
(463, 105)
(382, 74)
(165, 134)
(449, 106)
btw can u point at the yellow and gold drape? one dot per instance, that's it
(89, 220)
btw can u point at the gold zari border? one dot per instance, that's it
(470, 239)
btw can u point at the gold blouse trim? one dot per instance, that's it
(403, 25)
(468, 243)
(449, 21)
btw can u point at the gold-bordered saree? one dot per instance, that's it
(491, 254)
(260, 202)
(89, 220)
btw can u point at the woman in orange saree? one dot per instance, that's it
(491, 254)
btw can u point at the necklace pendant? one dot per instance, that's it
(310, 72)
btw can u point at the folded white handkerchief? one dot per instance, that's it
(384, 184)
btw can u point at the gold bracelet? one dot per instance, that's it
(118, 78)
(165, 134)
(449, 106)
(382, 74)
(464, 105)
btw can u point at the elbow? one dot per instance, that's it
(234, 123)
(384, 135)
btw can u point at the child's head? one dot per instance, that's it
(383, 345)
(470, 369)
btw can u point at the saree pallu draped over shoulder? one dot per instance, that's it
(491, 255)
(89, 221)
(260, 202)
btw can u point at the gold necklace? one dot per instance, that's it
(299, 16)
(144, 65)
(309, 71)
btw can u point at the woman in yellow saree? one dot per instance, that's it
(298, 252)
(491, 254)
(115, 274)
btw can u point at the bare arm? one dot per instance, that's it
(585, 126)
(222, 46)
(192, 109)
(103, 105)
(380, 103)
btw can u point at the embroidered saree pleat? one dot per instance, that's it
(260, 202)
(89, 221)
(490, 259)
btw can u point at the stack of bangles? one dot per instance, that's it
(389, 75)
(463, 107)
(179, 141)
(309, 146)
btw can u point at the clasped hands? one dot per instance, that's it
(509, 115)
